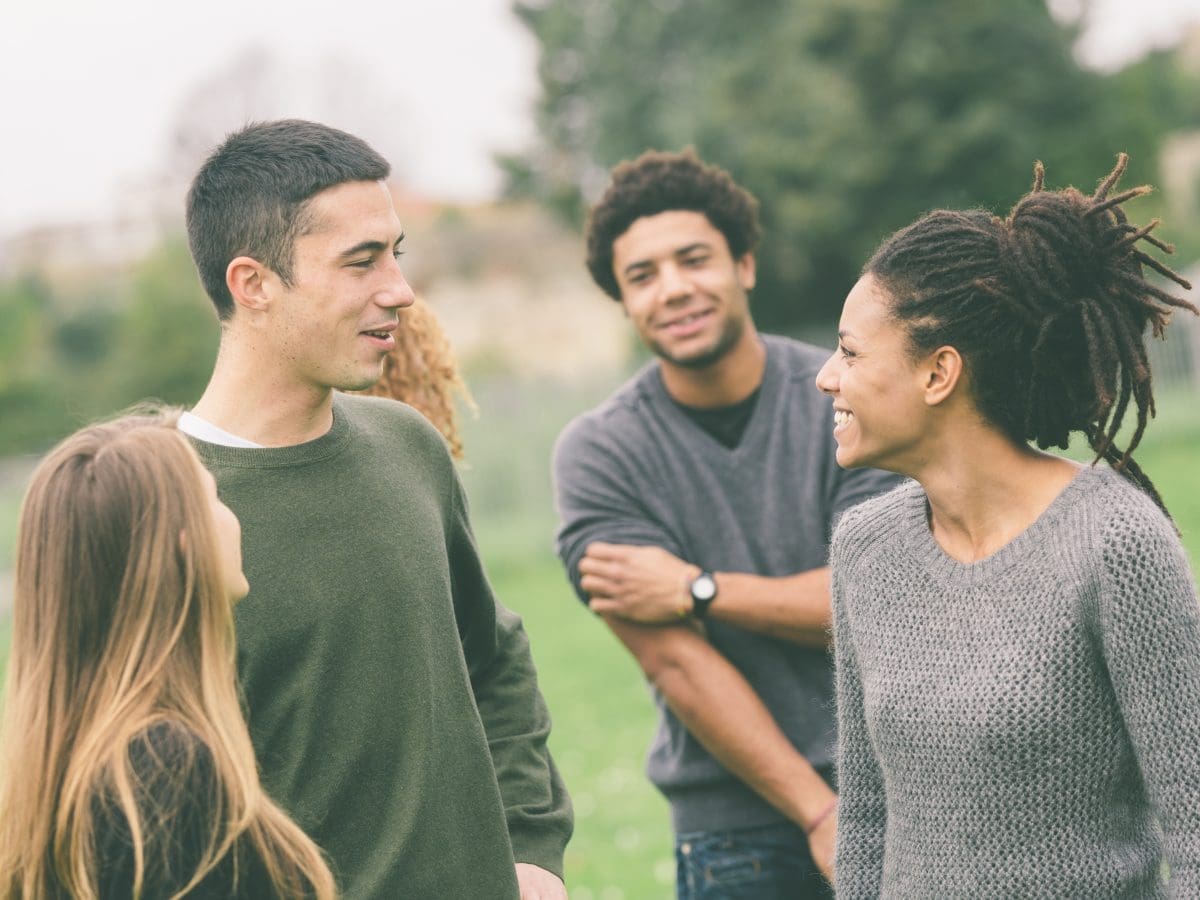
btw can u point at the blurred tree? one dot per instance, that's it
(259, 83)
(24, 303)
(69, 356)
(847, 120)
(30, 402)
(169, 330)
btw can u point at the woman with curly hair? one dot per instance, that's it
(421, 371)
(1017, 635)
(126, 769)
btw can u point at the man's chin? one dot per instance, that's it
(360, 381)
(704, 355)
(694, 359)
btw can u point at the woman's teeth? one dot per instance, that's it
(842, 417)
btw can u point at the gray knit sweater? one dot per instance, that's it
(638, 470)
(1024, 726)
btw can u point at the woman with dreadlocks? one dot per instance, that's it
(1017, 635)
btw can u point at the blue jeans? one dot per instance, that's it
(767, 863)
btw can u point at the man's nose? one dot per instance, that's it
(397, 293)
(674, 283)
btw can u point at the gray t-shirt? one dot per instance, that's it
(1023, 726)
(638, 470)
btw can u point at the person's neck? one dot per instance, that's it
(980, 500)
(249, 399)
(729, 380)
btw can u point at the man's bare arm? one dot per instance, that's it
(715, 703)
(649, 585)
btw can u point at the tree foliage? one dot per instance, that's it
(847, 120)
(69, 355)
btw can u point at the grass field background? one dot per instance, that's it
(602, 712)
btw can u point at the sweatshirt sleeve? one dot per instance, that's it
(514, 714)
(862, 814)
(1149, 624)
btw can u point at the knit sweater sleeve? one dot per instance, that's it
(1149, 628)
(598, 496)
(514, 714)
(861, 811)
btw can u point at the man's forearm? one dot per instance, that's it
(649, 585)
(793, 607)
(718, 706)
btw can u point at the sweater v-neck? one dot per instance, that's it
(768, 392)
(923, 546)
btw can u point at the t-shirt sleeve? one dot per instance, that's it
(1149, 625)
(597, 498)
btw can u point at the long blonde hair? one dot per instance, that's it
(121, 622)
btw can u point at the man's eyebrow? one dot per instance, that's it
(681, 251)
(369, 246)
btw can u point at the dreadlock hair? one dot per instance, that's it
(1048, 308)
(659, 182)
(422, 372)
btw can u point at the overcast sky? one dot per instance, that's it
(89, 90)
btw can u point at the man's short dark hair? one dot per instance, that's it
(251, 196)
(658, 182)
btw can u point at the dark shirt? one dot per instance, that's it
(726, 424)
(175, 790)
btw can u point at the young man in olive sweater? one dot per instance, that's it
(392, 701)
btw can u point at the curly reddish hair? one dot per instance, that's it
(423, 373)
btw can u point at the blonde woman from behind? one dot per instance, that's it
(126, 769)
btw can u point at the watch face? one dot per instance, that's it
(704, 588)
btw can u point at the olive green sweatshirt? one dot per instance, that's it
(392, 701)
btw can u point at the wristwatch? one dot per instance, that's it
(704, 591)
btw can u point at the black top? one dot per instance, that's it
(175, 788)
(726, 424)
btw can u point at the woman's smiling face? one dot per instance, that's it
(880, 412)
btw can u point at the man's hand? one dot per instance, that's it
(538, 884)
(639, 584)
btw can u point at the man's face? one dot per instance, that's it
(682, 289)
(333, 326)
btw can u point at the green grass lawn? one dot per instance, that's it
(603, 716)
(603, 722)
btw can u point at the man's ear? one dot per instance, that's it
(747, 269)
(247, 280)
(942, 371)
